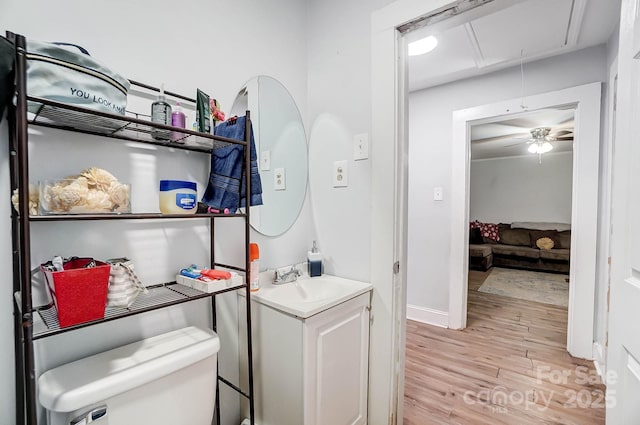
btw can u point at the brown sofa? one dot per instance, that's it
(522, 248)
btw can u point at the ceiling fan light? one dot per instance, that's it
(540, 147)
(545, 147)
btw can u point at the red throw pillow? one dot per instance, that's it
(490, 231)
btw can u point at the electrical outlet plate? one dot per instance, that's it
(265, 160)
(340, 174)
(279, 179)
(360, 146)
(437, 194)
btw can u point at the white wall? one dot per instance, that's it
(504, 190)
(215, 46)
(339, 108)
(430, 129)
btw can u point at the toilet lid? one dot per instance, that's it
(92, 379)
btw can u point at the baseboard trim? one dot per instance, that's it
(428, 316)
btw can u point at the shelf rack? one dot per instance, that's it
(29, 111)
(143, 216)
(48, 113)
(159, 296)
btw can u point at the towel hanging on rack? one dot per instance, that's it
(226, 187)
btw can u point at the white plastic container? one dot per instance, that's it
(178, 197)
(211, 286)
(168, 379)
(70, 196)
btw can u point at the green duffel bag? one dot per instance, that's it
(56, 72)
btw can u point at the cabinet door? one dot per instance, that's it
(336, 344)
(277, 365)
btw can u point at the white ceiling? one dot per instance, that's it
(494, 36)
(505, 33)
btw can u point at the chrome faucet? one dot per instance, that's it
(286, 277)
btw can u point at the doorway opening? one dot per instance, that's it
(584, 206)
(585, 101)
(520, 200)
(389, 107)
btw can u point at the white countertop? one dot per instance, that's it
(309, 295)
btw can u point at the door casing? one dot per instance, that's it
(388, 229)
(584, 205)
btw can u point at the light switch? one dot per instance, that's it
(437, 194)
(265, 160)
(279, 179)
(360, 146)
(340, 174)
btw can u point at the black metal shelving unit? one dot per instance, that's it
(52, 114)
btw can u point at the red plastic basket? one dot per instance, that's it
(80, 294)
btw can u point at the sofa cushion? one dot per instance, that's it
(480, 250)
(475, 236)
(533, 225)
(539, 234)
(556, 254)
(563, 239)
(518, 251)
(518, 237)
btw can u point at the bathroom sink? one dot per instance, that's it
(309, 295)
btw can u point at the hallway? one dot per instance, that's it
(509, 366)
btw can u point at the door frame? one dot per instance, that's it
(389, 206)
(584, 205)
(601, 320)
(388, 147)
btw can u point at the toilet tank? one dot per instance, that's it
(168, 379)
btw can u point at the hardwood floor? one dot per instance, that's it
(510, 366)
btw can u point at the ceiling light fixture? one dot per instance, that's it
(540, 141)
(540, 147)
(422, 46)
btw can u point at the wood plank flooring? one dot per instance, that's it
(509, 367)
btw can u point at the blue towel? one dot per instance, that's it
(226, 188)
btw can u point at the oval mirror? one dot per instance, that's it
(281, 146)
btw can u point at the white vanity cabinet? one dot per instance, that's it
(314, 370)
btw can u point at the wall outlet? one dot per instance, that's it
(340, 174)
(360, 146)
(279, 179)
(265, 160)
(438, 194)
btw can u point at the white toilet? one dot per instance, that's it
(168, 379)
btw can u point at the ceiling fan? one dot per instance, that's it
(560, 132)
(509, 136)
(540, 141)
(541, 138)
(525, 132)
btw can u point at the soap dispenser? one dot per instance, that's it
(161, 113)
(314, 259)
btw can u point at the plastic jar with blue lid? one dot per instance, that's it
(178, 197)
